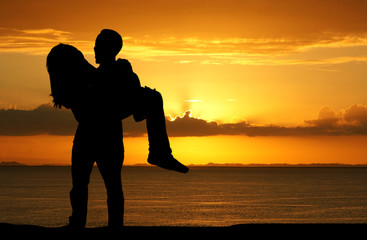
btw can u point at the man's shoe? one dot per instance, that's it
(167, 161)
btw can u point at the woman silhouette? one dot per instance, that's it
(98, 137)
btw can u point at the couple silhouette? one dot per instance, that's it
(99, 99)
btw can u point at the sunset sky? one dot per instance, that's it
(265, 81)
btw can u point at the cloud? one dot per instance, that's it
(191, 126)
(35, 41)
(43, 120)
(204, 50)
(351, 121)
(356, 115)
(327, 118)
(247, 51)
(47, 120)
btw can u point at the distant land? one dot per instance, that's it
(277, 165)
(17, 164)
(11, 164)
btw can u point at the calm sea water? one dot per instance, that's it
(203, 197)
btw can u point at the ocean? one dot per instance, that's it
(206, 196)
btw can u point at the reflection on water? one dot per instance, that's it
(203, 197)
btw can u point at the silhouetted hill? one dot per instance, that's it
(11, 164)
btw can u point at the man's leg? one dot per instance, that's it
(110, 168)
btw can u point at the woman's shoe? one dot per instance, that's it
(167, 161)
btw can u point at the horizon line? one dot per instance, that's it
(210, 164)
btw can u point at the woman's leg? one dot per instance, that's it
(160, 152)
(81, 167)
(156, 123)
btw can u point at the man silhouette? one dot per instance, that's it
(99, 99)
(99, 134)
(98, 139)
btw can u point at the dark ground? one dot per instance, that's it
(245, 231)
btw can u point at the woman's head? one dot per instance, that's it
(68, 70)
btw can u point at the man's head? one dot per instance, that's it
(108, 45)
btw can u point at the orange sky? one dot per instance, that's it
(43, 149)
(259, 62)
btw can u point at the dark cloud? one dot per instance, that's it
(43, 120)
(352, 121)
(357, 115)
(327, 118)
(190, 126)
(47, 120)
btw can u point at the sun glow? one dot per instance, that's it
(187, 113)
(56, 150)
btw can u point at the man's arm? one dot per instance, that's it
(133, 87)
(132, 78)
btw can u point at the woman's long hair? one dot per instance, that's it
(68, 72)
